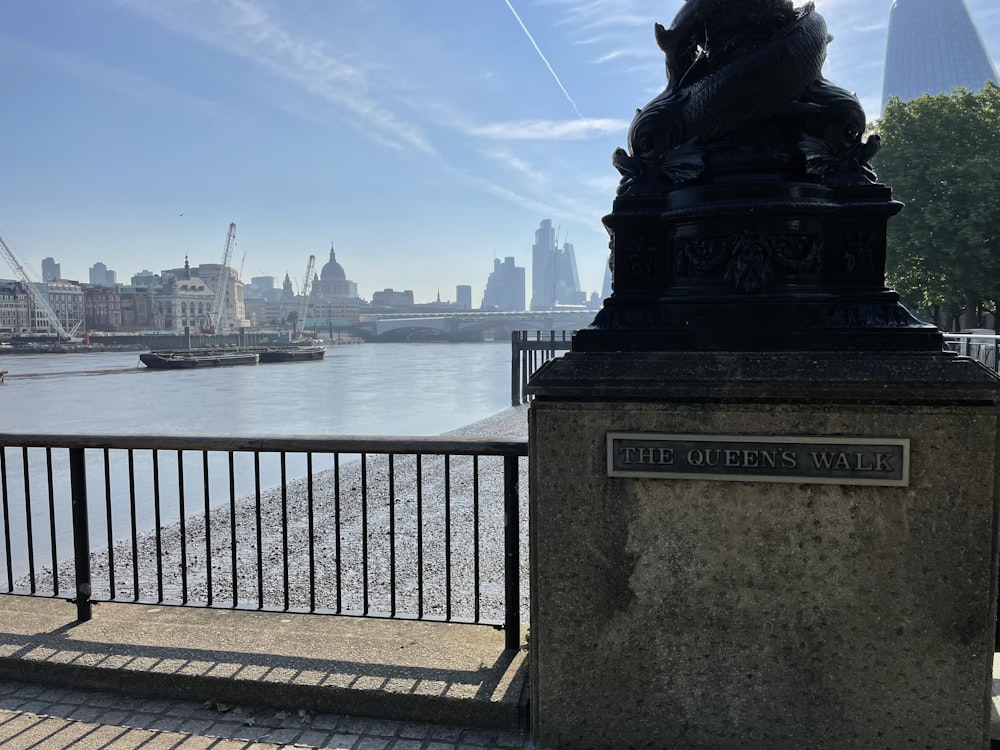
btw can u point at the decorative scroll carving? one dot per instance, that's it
(700, 256)
(871, 316)
(859, 254)
(749, 261)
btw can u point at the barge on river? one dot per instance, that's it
(293, 353)
(192, 358)
(184, 359)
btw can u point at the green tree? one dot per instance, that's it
(941, 157)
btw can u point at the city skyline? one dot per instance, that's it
(100, 274)
(137, 130)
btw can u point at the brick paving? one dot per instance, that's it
(37, 717)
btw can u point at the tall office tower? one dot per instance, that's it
(101, 275)
(568, 290)
(50, 269)
(554, 278)
(543, 266)
(463, 296)
(505, 286)
(933, 47)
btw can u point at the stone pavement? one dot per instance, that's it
(139, 675)
(38, 717)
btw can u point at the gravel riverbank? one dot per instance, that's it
(290, 559)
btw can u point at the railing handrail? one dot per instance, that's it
(985, 336)
(412, 445)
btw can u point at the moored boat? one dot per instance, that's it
(191, 358)
(290, 353)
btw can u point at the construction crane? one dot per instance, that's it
(18, 266)
(218, 306)
(300, 321)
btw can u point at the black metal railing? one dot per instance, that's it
(399, 527)
(982, 347)
(529, 350)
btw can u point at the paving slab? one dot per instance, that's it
(385, 669)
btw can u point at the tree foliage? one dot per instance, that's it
(941, 157)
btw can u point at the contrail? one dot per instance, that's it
(544, 60)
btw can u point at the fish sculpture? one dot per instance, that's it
(739, 71)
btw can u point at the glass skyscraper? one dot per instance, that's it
(933, 47)
(554, 278)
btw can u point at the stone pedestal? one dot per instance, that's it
(782, 612)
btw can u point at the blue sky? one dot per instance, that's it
(422, 139)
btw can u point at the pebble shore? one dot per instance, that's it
(299, 571)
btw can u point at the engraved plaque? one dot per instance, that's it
(761, 458)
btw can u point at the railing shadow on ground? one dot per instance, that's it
(385, 669)
(387, 527)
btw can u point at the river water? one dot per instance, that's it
(363, 389)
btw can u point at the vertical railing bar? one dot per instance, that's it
(52, 521)
(515, 371)
(364, 533)
(133, 525)
(512, 554)
(312, 532)
(284, 525)
(392, 535)
(27, 519)
(181, 509)
(108, 515)
(475, 536)
(158, 516)
(260, 539)
(6, 519)
(81, 532)
(232, 529)
(339, 570)
(447, 536)
(420, 537)
(205, 479)
(526, 369)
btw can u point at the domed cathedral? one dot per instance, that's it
(332, 282)
(333, 298)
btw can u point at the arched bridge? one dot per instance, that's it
(469, 325)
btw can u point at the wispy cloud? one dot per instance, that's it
(544, 130)
(591, 15)
(244, 29)
(544, 59)
(516, 164)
